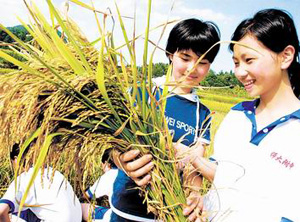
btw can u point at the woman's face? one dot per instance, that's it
(187, 71)
(257, 67)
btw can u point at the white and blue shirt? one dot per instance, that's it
(257, 177)
(187, 117)
(185, 114)
(50, 200)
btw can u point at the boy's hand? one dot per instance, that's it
(137, 169)
(194, 207)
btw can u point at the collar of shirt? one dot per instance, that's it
(193, 97)
(248, 107)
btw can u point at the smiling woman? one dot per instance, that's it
(258, 141)
(258, 69)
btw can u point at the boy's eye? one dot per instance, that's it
(185, 59)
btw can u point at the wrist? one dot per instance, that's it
(6, 206)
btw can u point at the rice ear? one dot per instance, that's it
(67, 110)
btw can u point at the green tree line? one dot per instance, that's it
(19, 31)
(6, 40)
(221, 79)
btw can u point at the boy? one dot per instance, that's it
(187, 41)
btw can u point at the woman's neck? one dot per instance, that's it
(274, 106)
(281, 100)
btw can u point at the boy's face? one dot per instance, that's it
(186, 70)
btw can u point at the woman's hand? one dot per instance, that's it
(185, 154)
(4, 212)
(194, 207)
(137, 169)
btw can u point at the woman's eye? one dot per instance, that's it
(203, 63)
(248, 60)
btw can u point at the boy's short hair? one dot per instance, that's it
(196, 35)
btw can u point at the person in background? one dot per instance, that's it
(102, 187)
(50, 199)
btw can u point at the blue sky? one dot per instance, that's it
(227, 14)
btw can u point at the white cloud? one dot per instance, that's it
(9, 10)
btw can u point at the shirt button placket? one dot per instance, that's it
(265, 130)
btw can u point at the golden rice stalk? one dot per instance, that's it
(68, 103)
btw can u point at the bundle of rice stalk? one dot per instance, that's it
(68, 103)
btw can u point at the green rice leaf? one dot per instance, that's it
(70, 38)
(22, 150)
(100, 79)
(37, 167)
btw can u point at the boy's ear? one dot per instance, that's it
(287, 56)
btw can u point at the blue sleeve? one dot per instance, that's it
(89, 193)
(9, 203)
(139, 95)
(205, 123)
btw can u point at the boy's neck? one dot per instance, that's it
(180, 90)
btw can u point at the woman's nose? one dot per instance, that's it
(240, 72)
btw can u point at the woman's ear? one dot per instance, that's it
(287, 56)
(171, 57)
